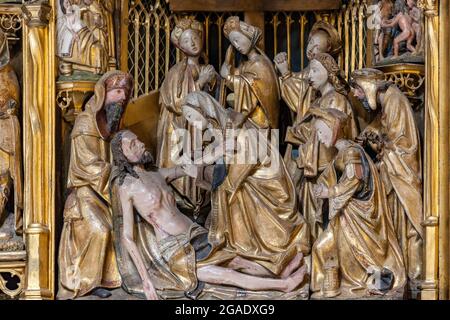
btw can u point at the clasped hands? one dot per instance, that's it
(377, 142)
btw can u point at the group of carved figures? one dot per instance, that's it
(401, 23)
(326, 220)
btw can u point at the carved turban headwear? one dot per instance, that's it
(183, 25)
(334, 38)
(234, 24)
(369, 80)
(119, 81)
(111, 80)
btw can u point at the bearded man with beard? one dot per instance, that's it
(395, 138)
(87, 262)
(171, 254)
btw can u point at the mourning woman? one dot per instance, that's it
(358, 249)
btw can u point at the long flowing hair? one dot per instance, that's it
(123, 167)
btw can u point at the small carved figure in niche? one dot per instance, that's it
(395, 138)
(11, 225)
(404, 22)
(181, 257)
(97, 14)
(186, 76)
(362, 250)
(416, 15)
(254, 84)
(87, 261)
(384, 36)
(78, 47)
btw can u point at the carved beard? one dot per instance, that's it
(114, 113)
(146, 159)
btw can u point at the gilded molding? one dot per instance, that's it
(39, 149)
(430, 7)
(37, 14)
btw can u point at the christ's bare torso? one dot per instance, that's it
(154, 201)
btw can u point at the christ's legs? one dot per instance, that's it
(226, 276)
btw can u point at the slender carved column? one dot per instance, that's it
(39, 149)
(432, 165)
(444, 98)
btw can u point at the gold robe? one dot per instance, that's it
(256, 91)
(11, 168)
(87, 53)
(360, 233)
(314, 157)
(400, 169)
(86, 253)
(178, 83)
(101, 30)
(297, 93)
(10, 140)
(255, 213)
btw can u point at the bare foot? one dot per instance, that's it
(294, 280)
(294, 264)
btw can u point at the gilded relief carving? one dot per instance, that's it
(293, 154)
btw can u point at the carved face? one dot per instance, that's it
(240, 42)
(133, 149)
(324, 133)
(118, 95)
(360, 94)
(318, 43)
(195, 118)
(318, 75)
(411, 3)
(191, 42)
(115, 104)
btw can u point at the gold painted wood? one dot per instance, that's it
(256, 5)
(256, 18)
(432, 164)
(71, 96)
(39, 149)
(145, 127)
(123, 63)
(13, 263)
(408, 77)
(444, 100)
